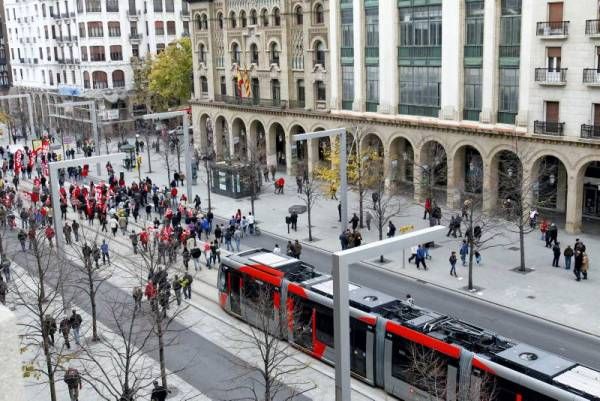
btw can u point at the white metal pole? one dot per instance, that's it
(94, 119)
(188, 159)
(343, 181)
(57, 217)
(341, 328)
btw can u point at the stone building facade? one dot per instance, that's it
(490, 83)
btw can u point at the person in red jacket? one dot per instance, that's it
(279, 183)
(49, 234)
(150, 293)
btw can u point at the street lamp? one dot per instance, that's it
(341, 311)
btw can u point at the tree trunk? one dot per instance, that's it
(148, 150)
(208, 186)
(522, 245)
(308, 211)
(161, 347)
(93, 303)
(471, 248)
(46, 347)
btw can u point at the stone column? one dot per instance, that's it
(526, 57)
(335, 81)
(490, 185)
(230, 142)
(284, 54)
(452, 27)
(561, 188)
(358, 14)
(490, 63)
(312, 154)
(388, 57)
(418, 193)
(289, 168)
(456, 180)
(574, 203)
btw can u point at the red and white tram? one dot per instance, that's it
(387, 333)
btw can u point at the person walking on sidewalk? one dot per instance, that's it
(228, 235)
(75, 321)
(65, 328)
(133, 237)
(114, 225)
(73, 381)
(237, 238)
(294, 220)
(568, 254)
(452, 261)
(420, 258)
(186, 285)
(427, 209)
(578, 264)
(22, 236)
(391, 230)
(354, 221)
(105, 254)
(195, 254)
(251, 222)
(137, 295)
(368, 219)
(585, 265)
(177, 289)
(464, 251)
(556, 254)
(215, 253)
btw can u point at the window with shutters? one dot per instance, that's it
(114, 29)
(170, 6)
(95, 29)
(171, 28)
(158, 6)
(116, 54)
(112, 6)
(93, 6)
(159, 28)
(118, 78)
(97, 53)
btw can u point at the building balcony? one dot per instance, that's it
(133, 15)
(590, 131)
(297, 104)
(548, 128)
(553, 30)
(185, 15)
(347, 52)
(372, 52)
(591, 76)
(592, 28)
(473, 51)
(135, 37)
(551, 77)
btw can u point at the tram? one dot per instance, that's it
(390, 339)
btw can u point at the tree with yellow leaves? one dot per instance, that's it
(171, 72)
(364, 167)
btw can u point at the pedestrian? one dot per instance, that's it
(464, 251)
(339, 208)
(452, 261)
(251, 223)
(228, 236)
(75, 321)
(96, 255)
(410, 300)
(294, 220)
(150, 293)
(368, 219)
(568, 254)
(114, 225)
(556, 254)
(73, 380)
(218, 234)
(579, 246)
(451, 229)
(67, 233)
(578, 264)
(420, 258)
(65, 328)
(413, 253)
(137, 295)
(159, 393)
(551, 235)
(177, 289)
(105, 254)
(22, 237)
(457, 226)
(3, 291)
(344, 239)
(276, 250)
(215, 253)
(185, 254)
(544, 229)
(299, 184)
(186, 285)
(354, 221)
(436, 212)
(585, 265)
(237, 238)
(427, 208)
(391, 230)
(134, 241)
(477, 255)
(533, 218)
(297, 249)
(333, 191)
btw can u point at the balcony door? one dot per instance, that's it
(555, 16)
(553, 74)
(597, 116)
(552, 122)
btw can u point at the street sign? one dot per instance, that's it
(406, 229)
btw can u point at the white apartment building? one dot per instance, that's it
(86, 48)
(490, 82)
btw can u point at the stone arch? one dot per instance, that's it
(549, 177)
(240, 138)
(401, 163)
(372, 139)
(277, 145)
(257, 141)
(431, 170)
(506, 177)
(318, 38)
(466, 172)
(221, 130)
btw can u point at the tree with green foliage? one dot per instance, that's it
(171, 72)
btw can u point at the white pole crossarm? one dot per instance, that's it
(27, 97)
(341, 306)
(186, 139)
(55, 188)
(341, 133)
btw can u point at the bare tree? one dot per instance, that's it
(253, 174)
(518, 194)
(431, 171)
(276, 366)
(160, 250)
(311, 194)
(39, 291)
(120, 369)
(146, 129)
(86, 252)
(166, 154)
(384, 207)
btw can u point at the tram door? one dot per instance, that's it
(234, 292)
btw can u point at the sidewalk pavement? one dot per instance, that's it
(546, 292)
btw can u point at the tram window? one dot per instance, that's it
(358, 334)
(419, 366)
(251, 290)
(258, 293)
(325, 326)
(222, 279)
